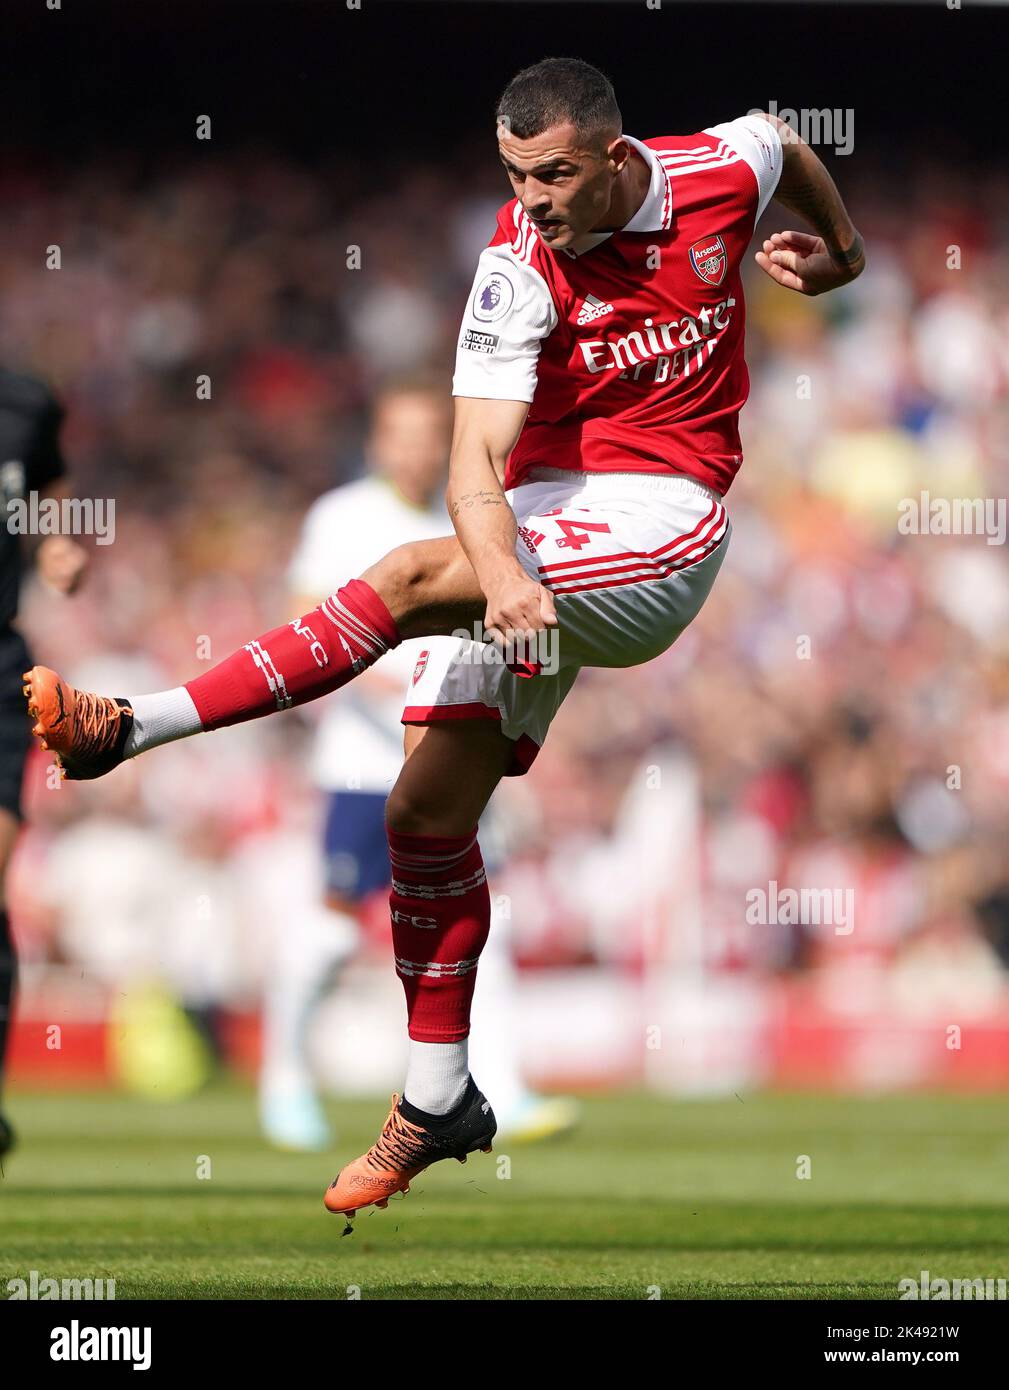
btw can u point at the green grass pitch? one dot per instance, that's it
(694, 1199)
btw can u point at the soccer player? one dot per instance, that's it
(600, 364)
(30, 461)
(358, 749)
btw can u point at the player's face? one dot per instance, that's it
(562, 183)
(409, 443)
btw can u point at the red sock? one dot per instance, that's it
(440, 906)
(298, 662)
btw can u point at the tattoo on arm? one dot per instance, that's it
(854, 253)
(807, 189)
(469, 500)
(815, 204)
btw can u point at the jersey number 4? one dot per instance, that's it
(576, 533)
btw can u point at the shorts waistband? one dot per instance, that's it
(678, 482)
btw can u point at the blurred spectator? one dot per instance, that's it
(839, 712)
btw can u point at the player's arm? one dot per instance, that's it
(60, 561)
(484, 434)
(806, 263)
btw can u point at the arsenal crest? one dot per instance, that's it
(420, 668)
(709, 260)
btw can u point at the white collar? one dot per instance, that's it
(649, 216)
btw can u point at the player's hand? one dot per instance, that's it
(801, 262)
(518, 608)
(61, 563)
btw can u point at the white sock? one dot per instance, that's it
(161, 718)
(494, 1042)
(436, 1075)
(306, 952)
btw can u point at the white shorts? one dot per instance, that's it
(629, 558)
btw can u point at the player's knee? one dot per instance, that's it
(405, 573)
(418, 805)
(407, 813)
(413, 565)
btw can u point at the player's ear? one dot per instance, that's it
(617, 152)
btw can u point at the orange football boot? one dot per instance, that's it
(86, 732)
(406, 1148)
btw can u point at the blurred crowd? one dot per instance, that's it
(838, 715)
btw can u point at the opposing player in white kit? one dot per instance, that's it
(600, 370)
(357, 750)
(356, 758)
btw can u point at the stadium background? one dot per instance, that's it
(628, 889)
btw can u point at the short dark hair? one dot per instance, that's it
(414, 381)
(417, 381)
(556, 90)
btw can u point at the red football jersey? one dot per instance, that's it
(630, 350)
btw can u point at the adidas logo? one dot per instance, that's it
(592, 309)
